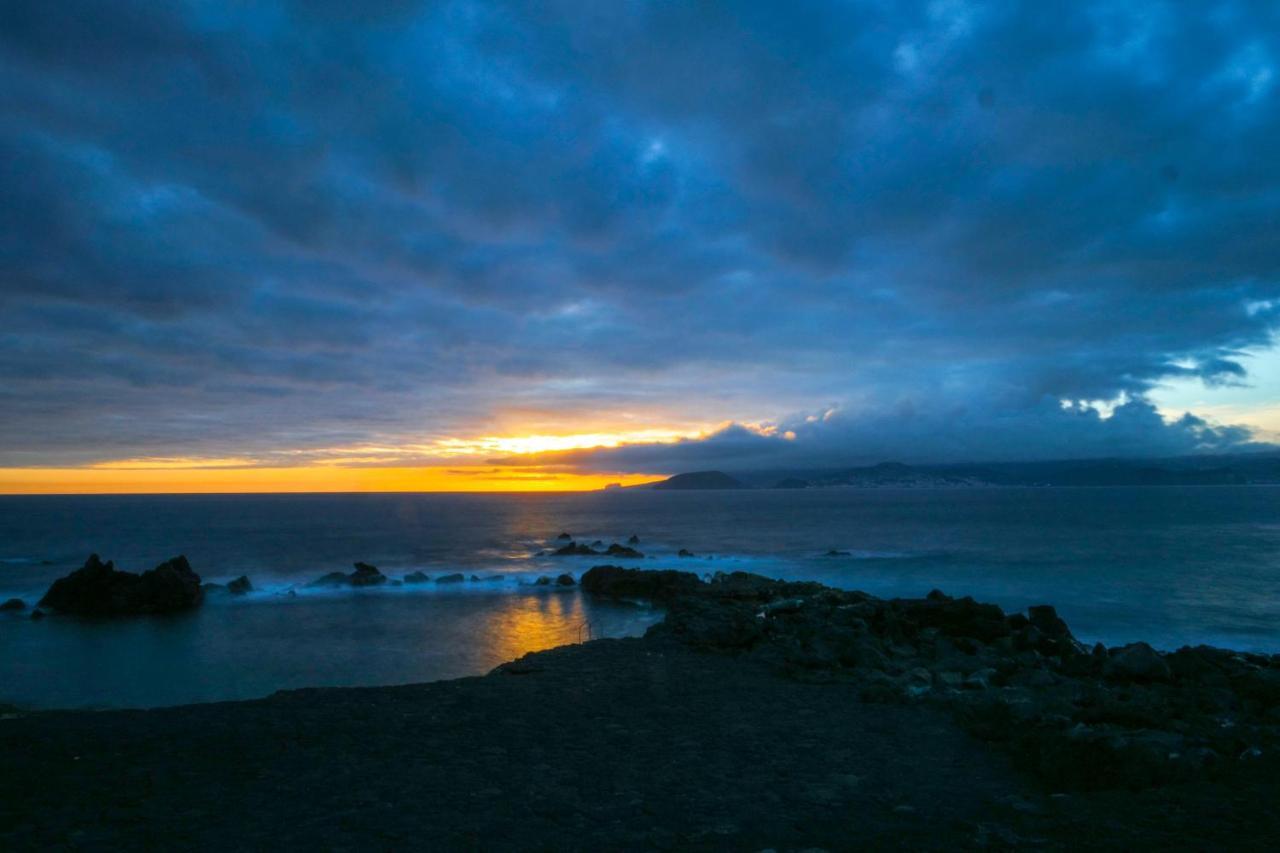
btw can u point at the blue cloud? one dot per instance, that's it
(238, 229)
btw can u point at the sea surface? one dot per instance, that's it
(1169, 565)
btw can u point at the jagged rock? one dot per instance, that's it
(456, 577)
(564, 580)
(575, 550)
(367, 575)
(98, 589)
(958, 617)
(1047, 621)
(1137, 662)
(14, 604)
(616, 550)
(564, 537)
(240, 586)
(364, 575)
(416, 577)
(637, 583)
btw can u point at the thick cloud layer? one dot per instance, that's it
(248, 230)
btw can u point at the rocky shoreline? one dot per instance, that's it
(758, 714)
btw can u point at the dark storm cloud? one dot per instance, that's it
(230, 230)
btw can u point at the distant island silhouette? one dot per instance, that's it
(1206, 470)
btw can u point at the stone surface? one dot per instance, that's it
(99, 589)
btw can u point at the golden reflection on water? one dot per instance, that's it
(530, 623)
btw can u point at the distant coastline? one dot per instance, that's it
(1262, 468)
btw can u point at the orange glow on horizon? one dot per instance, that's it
(119, 478)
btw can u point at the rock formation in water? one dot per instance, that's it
(98, 589)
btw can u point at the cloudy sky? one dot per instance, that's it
(433, 237)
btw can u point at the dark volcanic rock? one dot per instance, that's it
(564, 580)
(14, 604)
(416, 577)
(616, 550)
(367, 575)
(575, 550)
(1126, 718)
(97, 589)
(364, 575)
(240, 586)
(1137, 662)
(331, 579)
(638, 583)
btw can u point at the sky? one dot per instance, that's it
(455, 245)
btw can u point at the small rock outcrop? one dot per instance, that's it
(240, 586)
(14, 604)
(634, 540)
(574, 549)
(367, 575)
(618, 582)
(98, 589)
(364, 575)
(416, 577)
(456, 577)
(685, 552)
(565, 580)
(564, 537)
(616, 550)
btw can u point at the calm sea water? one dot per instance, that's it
(1168, 565)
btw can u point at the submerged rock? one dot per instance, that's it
(37, 614)
(685, 552)
(834, 553)
(14, 604)
(240, 586)
(98, 589)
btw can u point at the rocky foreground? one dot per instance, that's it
(759, 714)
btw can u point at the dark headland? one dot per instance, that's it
(759, 714)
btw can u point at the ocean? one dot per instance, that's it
(1169, 565)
